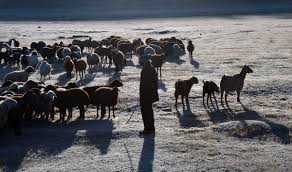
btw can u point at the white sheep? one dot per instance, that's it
(45, 104)
(149, 51)
(176, 51)
(233, 83)
(30, 60)
(19, 76)
(5, 107)
(92, 60)
(158, 49)
(66, 52)
(9, 48)
(45, 69)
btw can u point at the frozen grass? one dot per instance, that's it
(185, 138)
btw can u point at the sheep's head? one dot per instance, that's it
(194, 80)
(190, 42)
(116, 89)
(29, 97)
(74, 60)
(247, 69)
(115, 83)
(29, 69)
(214, 86)
(50, 87)
(71, 85)
(31, 84)
(7, 83)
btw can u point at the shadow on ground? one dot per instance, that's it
(227, 114)
(42, 141)
(188, 119)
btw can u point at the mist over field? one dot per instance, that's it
(128, 9)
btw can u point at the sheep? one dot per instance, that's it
(45, 69)
(140, 50)
(69, 66)
(103, 53)
(48, 53)
(183, 88)
(149, 51)
(157, 61)
(190, 48)
(176, 51)
(80, 67)
(9, 48)
(92, 60)
(91, 89)
(75, 48)
(5, 56)
(45, 104)
(15, 114)
(149, 40)
(5, 107)
(29, 60)
(21, 76)
(67, 99)
(126, 48)
(233, 83)
(137, 43)
(106, 96)
(66, 52)
(158, 49)
(209, 88)
(26, 86)
(76, 55)
(118, 59)
(14, 58)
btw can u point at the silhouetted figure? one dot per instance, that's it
(190, 48)
(148, 95)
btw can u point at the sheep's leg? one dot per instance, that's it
(114, 112)
(182, 100)
(238, 96)
(226, 94)
(102, 111)
(222, 97)
(204, 99)
(109, 112)
(82, 112)
(187, 99)
(175, 95)
(62, 114)
(97, 108)
(215, 100)
(69, 114)
(160, 72)
(52, 114)
(208, 97)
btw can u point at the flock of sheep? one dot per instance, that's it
(22, 98)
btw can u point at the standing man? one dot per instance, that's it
(148, 95)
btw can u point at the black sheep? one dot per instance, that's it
(209, 88)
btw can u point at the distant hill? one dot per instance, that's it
(125, 9)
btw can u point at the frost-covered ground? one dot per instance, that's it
(184, 140)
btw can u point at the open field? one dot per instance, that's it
(185, 139)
